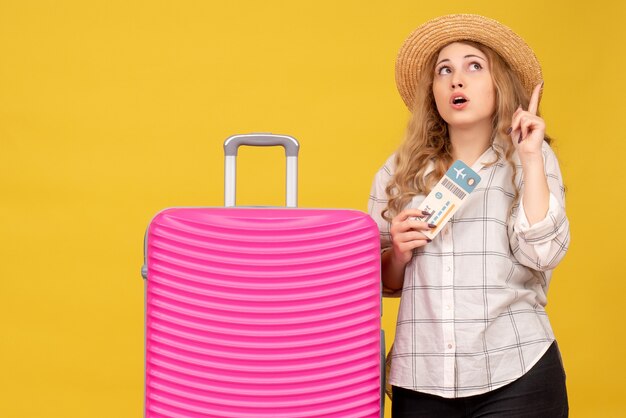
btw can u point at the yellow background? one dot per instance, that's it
(113, 110)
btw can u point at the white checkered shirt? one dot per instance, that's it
(471, 316)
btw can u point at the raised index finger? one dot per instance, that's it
(533, 105)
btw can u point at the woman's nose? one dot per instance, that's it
(455, 85)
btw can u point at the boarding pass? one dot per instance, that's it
(447, 196)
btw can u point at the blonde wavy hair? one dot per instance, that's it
(427, 139)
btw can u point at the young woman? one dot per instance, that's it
(472, 336)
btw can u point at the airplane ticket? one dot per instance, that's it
(448, 195)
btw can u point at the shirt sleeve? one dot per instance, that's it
(543, 245)
(377, 203)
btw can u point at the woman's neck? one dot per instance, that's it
(469, 143)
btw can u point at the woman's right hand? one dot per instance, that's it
(406, 234)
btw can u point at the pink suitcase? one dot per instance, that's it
(262, 312)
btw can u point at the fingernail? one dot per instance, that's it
(429, 240)
(508, 131)
(426, 213)
(520, 138)
(432, 226)
(541, 83)
(519, 106)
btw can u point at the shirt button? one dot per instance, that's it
(447, 268)
(448, 307)
(449, 345)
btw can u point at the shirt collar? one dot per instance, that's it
(491, 155)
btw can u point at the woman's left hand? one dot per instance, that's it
(527, 129)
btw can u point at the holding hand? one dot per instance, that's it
(406, 235)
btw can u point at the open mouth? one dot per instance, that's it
(459, 100)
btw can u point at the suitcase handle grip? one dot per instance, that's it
(231, 146)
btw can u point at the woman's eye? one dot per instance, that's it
(441, 70)
(475, 66)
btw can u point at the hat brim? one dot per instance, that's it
(433, 35)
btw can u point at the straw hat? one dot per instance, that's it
(437, 33)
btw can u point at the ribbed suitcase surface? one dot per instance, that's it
(258, 312)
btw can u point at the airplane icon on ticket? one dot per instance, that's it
(459, 172)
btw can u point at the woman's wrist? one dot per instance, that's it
(532, 161)
(392, 270)
(533, 171)
(536, 194)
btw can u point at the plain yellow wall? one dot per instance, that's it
(113, 110)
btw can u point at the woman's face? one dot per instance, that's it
(462, 85)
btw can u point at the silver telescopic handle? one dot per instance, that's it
(231, 146)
